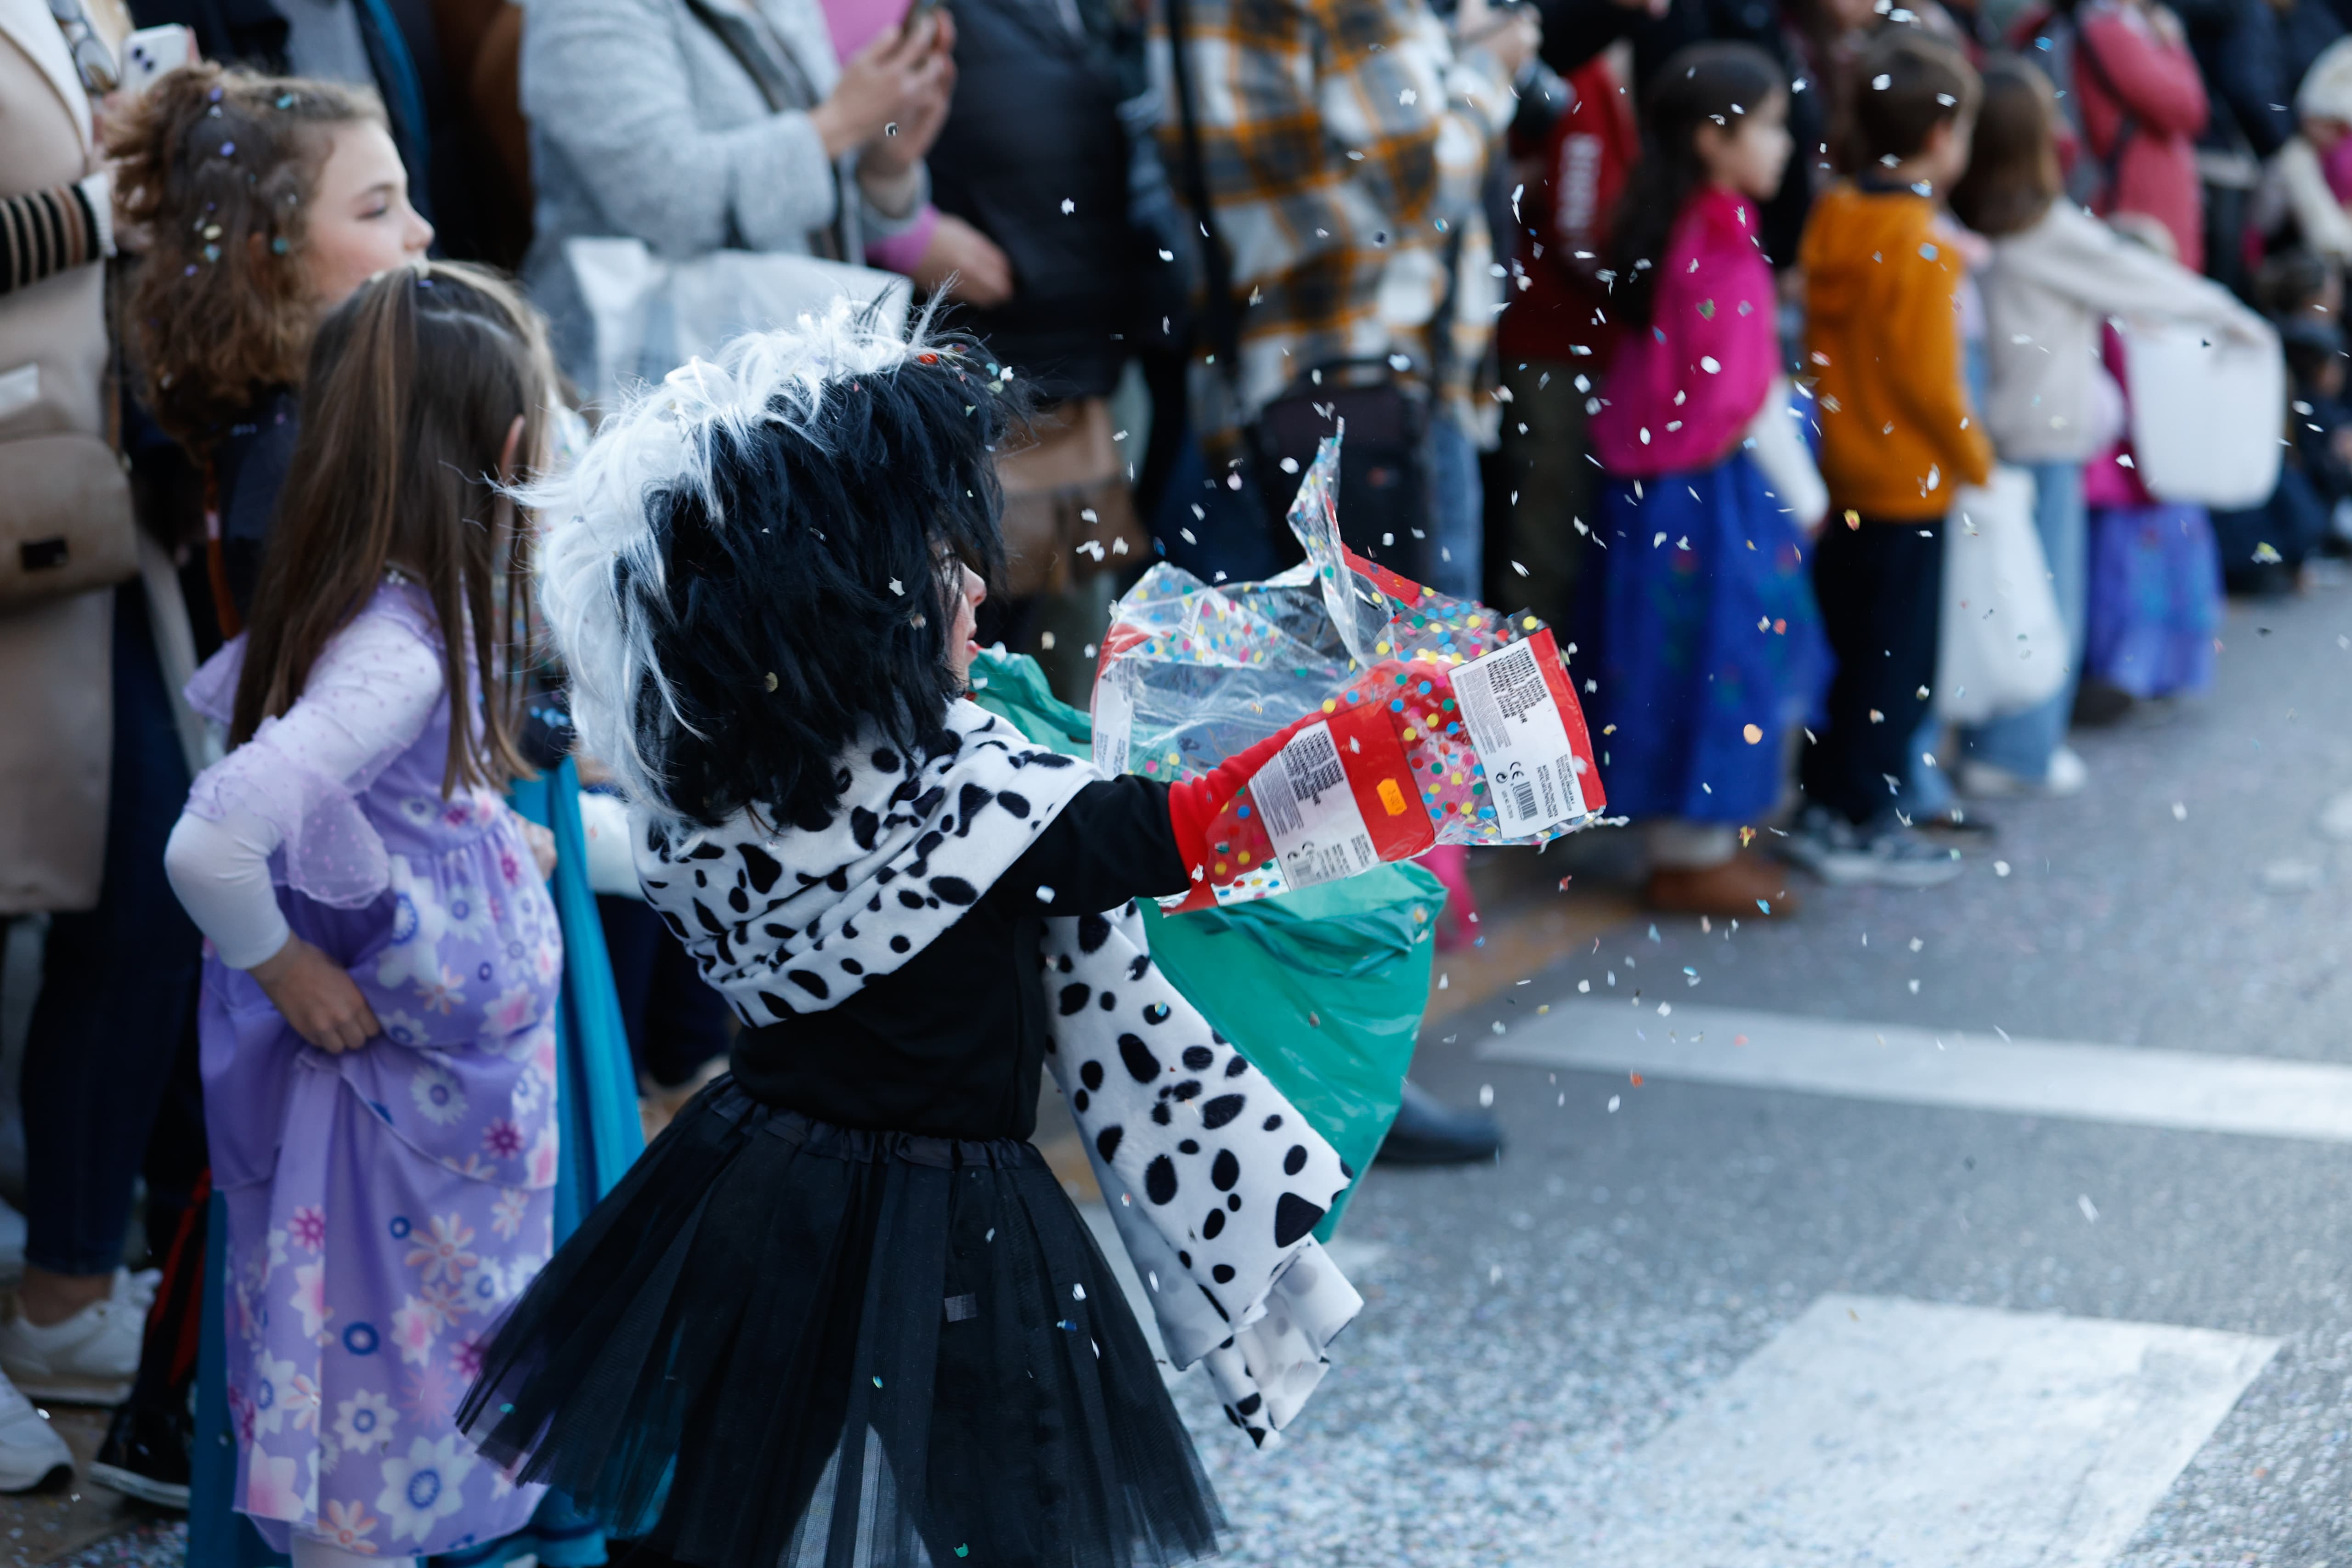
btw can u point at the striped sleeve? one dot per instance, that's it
(43, 233)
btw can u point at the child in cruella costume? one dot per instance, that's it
(842, 1311)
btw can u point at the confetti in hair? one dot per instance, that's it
(728, 569)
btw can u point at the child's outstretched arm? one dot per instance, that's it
(1136, 837)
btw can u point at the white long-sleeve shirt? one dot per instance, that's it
(368, 698)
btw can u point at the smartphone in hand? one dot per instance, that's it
(150, 53)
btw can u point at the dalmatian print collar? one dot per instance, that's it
(1216, 1180)
(793, 919)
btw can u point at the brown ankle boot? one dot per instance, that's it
(1743, 887)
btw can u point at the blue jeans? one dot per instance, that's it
(2023, 743)
(1457, 510)
(118, 988)
(1927, 787)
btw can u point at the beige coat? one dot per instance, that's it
(2047, 293)
(56, 702)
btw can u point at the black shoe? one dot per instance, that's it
(146, 1453)
(2098, 704)
(1426, 1133)
(1959, 819)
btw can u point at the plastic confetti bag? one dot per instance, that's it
(1445, 723)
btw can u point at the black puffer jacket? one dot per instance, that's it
(1033, 155)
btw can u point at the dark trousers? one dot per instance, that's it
(676, 1022)
(117, 1007)
(1881, 587)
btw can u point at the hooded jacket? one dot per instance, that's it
(1883, 334)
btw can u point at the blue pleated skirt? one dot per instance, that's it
(1701, 633)
(2156, 599)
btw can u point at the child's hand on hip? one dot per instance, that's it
(542, 848)
(317, 996)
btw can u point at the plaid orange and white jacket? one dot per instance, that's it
(1342, 143)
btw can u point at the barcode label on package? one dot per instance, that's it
(1310, 812)
(1517, 727)
(1114, 725)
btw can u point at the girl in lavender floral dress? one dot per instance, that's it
(381, 979)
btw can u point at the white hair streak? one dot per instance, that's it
(596, 530)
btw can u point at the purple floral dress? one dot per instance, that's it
(383, 1203)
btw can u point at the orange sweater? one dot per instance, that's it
(1883, 335)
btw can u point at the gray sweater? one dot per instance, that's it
(644, 125)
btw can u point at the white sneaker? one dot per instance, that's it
(1985, 780)
(90, 1358)
(2068, 773)
(137, 1291)
(31, 1452)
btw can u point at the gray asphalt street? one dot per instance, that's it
(1798, 1303)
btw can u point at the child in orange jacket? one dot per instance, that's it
(1898, 437)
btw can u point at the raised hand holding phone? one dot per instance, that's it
(892, 96)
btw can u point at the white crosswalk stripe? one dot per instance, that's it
(1909, 1435)
(2189, 1090)
(1905, 1435)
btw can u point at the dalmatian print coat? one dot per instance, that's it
(1216, 1180)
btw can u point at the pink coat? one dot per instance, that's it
(2124, 69)
(1681, 392)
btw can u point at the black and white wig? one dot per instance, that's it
(752, 565)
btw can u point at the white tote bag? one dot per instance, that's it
(2206, 412)
(2003, 647)
(651, 316)
(1776, 446)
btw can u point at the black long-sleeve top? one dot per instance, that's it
(953, 1042)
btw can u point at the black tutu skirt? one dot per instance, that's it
(782, 1344)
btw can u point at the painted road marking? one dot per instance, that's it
(2189, 1090)
(1905, 1435)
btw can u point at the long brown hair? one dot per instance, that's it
(413, 386)
(1704, 84)
(217, 166)
(2013, 174)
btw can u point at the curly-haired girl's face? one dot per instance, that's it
(360, 222)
